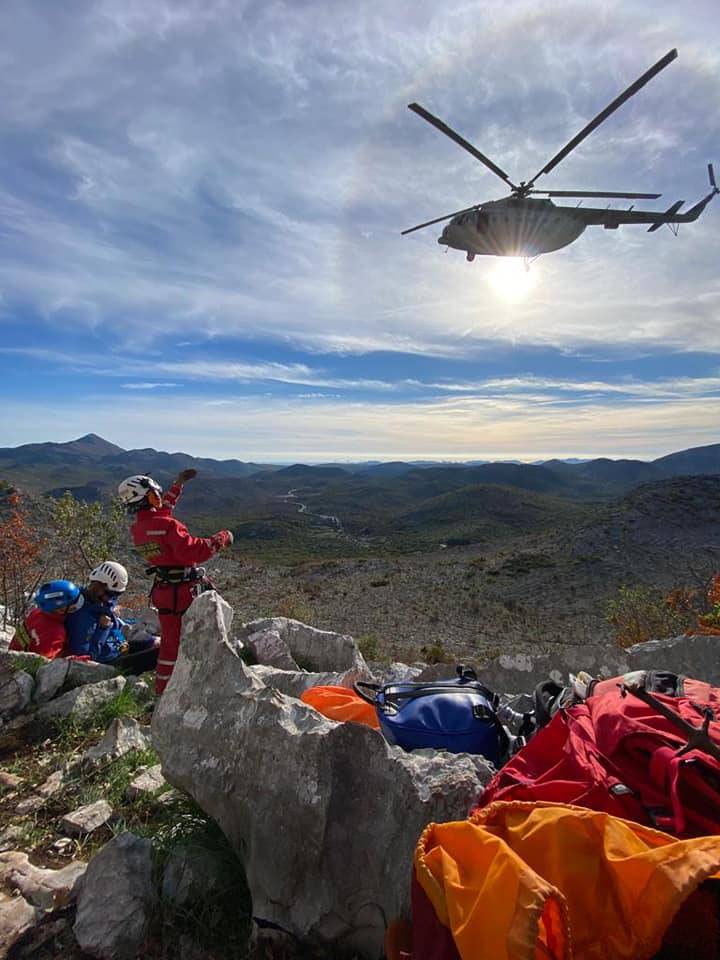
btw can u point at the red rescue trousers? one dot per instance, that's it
(171, 600)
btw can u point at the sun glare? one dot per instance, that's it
(511, 280)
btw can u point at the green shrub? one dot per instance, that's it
(369, 646)
(642, 613)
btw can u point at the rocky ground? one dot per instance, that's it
(538, 592)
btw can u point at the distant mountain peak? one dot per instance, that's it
(93, 445)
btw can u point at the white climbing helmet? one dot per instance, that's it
(112, 574)
(134, 489)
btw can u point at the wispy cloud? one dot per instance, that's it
(210, 195)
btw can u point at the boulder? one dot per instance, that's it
(320, 651)
(146, 783)
(294, 682)
(50, 678)
(16, 916)
(116, 899)
(82, 702)
(20, 660)
(82, 672)
(324, 815)
(270, 649)
(45, 889)
(193, 874)
(695, 656)
(87, 819)
(15, 693)
(521, 672)
(122, 736)
(400, 673)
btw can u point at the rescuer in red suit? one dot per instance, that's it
(173, 555)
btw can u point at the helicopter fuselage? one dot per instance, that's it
(513, 227)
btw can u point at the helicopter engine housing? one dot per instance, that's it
(513, 228)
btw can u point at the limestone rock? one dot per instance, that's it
(146, 784)
(694, 656)
(29, 805)
(400, 673)
(45, 889)
(290, 788)
(16, 916)
(9, 781)
(521, 672)
(319, 651)
(9, 836)
(82, 701)
(122, 736)
(82, 672)
(193, 874)
(52, 784)
(15, 693)
(50, 678)
(87, 819)
(271, 650)
(294, 682)
(116, 900)
(20, 660)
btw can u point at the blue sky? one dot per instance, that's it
(200, 215)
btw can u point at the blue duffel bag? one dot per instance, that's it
(455, 715)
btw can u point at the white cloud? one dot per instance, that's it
(268, 428)
(246, 169)
(146, 386)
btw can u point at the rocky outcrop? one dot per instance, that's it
(695, 656)
(45, 889)
(16, 916)
(116, 900)
(15, 693)
(325, 816)
(82, 701)
(314, 650)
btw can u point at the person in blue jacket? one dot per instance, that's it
(96, 631)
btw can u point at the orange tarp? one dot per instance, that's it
(340, 703)
(539, 881)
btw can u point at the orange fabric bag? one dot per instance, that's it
(539, 881)
(342, 704)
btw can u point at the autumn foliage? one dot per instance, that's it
(709, 622)
(21, 565)
(643, 613)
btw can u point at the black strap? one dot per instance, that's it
(375, 687)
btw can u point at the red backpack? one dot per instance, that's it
(628, 754)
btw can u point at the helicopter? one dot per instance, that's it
(521, 226)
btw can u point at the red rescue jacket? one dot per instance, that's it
(41, 633)
(163, 541)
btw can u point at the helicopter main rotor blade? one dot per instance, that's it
(428, 223)
(449, 132)
(611, 108)
(598, 193)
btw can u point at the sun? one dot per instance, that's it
(511, 280)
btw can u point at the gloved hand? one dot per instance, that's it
(222, 539)
(186, 475)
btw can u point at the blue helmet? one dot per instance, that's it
(57, 594)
